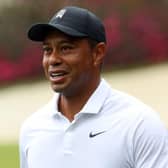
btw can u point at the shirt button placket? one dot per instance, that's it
(67, 142)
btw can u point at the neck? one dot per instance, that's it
(71, 105)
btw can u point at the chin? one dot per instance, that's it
(64, 91)
(61, 87)
(57, 90)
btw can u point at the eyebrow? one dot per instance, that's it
(61, 41)
(67, 40)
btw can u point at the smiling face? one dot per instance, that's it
(70, 64)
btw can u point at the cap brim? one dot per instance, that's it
(39, 31)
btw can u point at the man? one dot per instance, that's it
(87, 124)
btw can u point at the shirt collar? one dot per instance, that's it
(97, 99)
(93, 105)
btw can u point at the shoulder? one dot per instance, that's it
(147, 141)
(38, 119)
(34, 120)
(35, 117)
(132, 111)
(126, 105)
(147, 136)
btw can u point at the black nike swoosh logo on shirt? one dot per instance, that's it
(91, 134)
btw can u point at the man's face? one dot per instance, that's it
(68, 63)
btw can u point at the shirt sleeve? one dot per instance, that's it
(22, 149)
(23, 159)
(150, 144)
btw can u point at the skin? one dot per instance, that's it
(73, 69)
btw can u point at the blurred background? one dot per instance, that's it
(136, 61)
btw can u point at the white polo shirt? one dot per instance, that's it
(113, 130)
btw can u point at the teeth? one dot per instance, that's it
(56, 74)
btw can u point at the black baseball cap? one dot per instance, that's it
(72, 21)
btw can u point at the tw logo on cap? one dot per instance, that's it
(60, 14)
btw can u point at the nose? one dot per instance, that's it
(55, 59)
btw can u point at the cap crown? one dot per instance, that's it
(73, 21)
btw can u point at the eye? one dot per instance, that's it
(47, 50)
(66, 49)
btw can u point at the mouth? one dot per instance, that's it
(57, 76)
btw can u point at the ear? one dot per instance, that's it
(99, 53)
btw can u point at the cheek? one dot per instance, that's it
(44, 62)
(83, 67)
(45, 65)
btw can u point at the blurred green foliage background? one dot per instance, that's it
(9, 156)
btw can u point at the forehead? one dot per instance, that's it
(59, 36)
